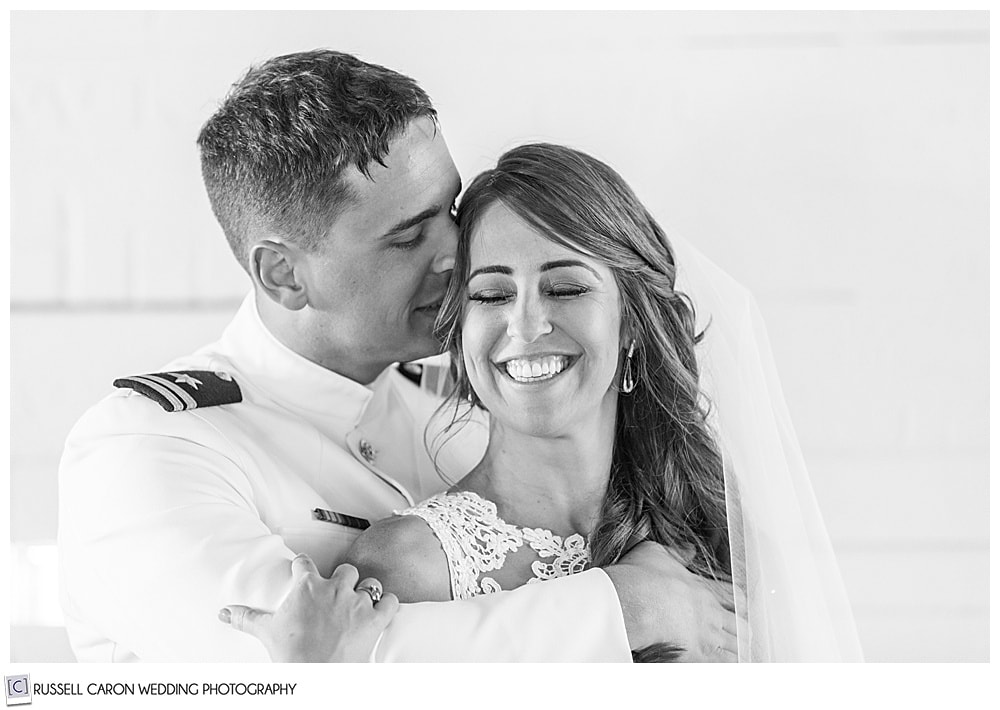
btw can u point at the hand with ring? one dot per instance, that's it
(320, 620)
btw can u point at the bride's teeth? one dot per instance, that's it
(535, 370)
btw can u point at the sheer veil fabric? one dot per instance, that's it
(788, 585)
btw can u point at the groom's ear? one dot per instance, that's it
(276, 271)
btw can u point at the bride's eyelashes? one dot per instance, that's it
(566, 290)
(490, 296)
(498, 296)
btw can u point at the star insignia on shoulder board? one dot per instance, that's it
(186, 379)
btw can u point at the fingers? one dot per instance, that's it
(302, 566)
(720, 647)
(386, 608)
(247, 619)
(729, 627)
(728, 642)
(389, 604)
(723, 592)
(345, 575)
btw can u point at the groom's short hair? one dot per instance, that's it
(272, 155)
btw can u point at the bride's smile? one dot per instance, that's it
(535, 368)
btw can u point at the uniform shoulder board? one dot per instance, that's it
(411, 371)
(185, 389)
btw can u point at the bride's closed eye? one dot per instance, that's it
(560, 291)
(566, 290)
(491, 296)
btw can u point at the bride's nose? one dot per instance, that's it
(528, 320)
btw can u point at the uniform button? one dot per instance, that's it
(367, 450)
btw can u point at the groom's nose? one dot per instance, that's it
(447, 242)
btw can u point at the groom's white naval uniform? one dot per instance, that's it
(166, 516)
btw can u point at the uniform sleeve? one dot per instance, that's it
(156, 534)
(570, 619)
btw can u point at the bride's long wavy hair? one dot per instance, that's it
(666, 481)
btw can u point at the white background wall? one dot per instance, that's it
(836, 164)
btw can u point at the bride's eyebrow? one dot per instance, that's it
(548, 265)
(491, 270)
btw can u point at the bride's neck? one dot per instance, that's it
(557, 483)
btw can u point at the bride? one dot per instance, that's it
(566, 323)
(568, 331)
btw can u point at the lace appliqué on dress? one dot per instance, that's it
(476, 541)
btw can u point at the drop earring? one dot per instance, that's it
(628, 375)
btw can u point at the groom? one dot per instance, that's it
(195, 486)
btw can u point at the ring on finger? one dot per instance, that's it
(372, 587)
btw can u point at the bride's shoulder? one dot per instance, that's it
(403, 553)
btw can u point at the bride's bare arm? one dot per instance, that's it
(403, 553)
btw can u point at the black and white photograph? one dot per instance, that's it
(515, 337)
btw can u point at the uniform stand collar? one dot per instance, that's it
(285, 376)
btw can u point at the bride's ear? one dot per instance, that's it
(274, 270)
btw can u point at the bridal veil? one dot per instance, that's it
(789, 594)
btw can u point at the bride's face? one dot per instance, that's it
(540, 328)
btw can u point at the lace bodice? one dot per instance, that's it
(476, 541)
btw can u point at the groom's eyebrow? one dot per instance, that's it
(405, 224)
(432, 211)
